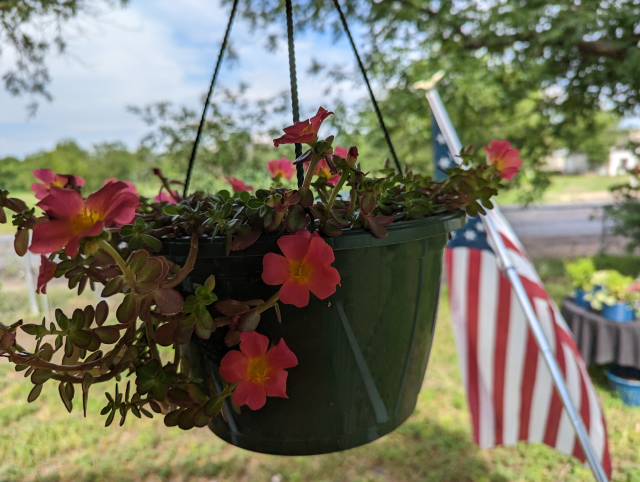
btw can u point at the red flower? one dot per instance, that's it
(303, 132)
(46, 274)
(72, 218)
(281, 168)
(505, 159)
(51, 179)
(165, 197)
(237, 185)
(304, 267)
(131, 187)
(322, 170)
(260, 372)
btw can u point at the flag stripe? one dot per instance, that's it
(510, 392)
(473, 278)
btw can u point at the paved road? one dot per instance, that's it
(555, 220)
(569, 229)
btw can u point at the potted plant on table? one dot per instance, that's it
(616, 297)
(322, 297)
(581, 272)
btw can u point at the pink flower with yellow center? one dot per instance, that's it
(131, 187)
(305, 266)
(281, 168)
(504, 158)
(47, 273)
(258, 372)
(303, 132)
(51, 179)
(323, 170)
(237, 185)
(71, 218)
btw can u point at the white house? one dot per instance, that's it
(620, 161)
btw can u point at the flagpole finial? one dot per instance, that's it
(431, 83)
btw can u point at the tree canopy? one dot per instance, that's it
(29, 29)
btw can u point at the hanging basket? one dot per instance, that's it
(362, 352)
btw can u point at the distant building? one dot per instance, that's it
(566, 162)
(621, 161)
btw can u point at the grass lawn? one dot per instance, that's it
(42, 442)
(566, 188)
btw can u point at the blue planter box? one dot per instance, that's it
(579, 299)
(629, 390)
(621, 312)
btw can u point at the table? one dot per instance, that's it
(602, 341)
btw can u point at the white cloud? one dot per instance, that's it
(154, 50)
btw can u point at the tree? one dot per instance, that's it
(29, 29)
(537, 73)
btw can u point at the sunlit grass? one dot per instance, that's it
(570, 188)
(42, 442)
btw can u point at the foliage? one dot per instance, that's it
(230, 143)
(104, 161)
(581, 271)
(625, 212)
(613, 286)
(29, 28)
(534, 73)
(112, 238)
(440, 426)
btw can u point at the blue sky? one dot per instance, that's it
(154, 50)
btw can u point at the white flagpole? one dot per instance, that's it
(454, 145)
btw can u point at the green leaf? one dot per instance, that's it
(34, 393)
(128, 310)
(62, 320)
(102, 312)
(171, 419)
(171, 210)
(40, 376)
(66, 396)
(213, 406)
(153, 243)
(80, 338)
(114, 286)
(138, 260)
(107, 334)
(87, 381)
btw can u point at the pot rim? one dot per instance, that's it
(399, 232)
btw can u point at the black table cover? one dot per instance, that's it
(602, 341)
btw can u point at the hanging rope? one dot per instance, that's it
(366, 80)
(194, 150)
(294, 87)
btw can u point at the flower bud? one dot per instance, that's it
(352, 155)
(91, 246)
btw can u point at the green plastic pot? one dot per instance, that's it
(362, 352)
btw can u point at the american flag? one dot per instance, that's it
(509, 389)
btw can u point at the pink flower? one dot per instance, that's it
(281, 168)
(322, 170)
(258, 372)
(351, 154)
(51, 179)
(46, 274)
(72, 218)
(237, 185)
(505, 159)
(131, 187)
(304, 132)
(304, 267)
(166, 197)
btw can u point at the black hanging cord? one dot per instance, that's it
(294, 87)
(366, 80)
(194, 150)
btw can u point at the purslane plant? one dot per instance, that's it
(112, 239)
